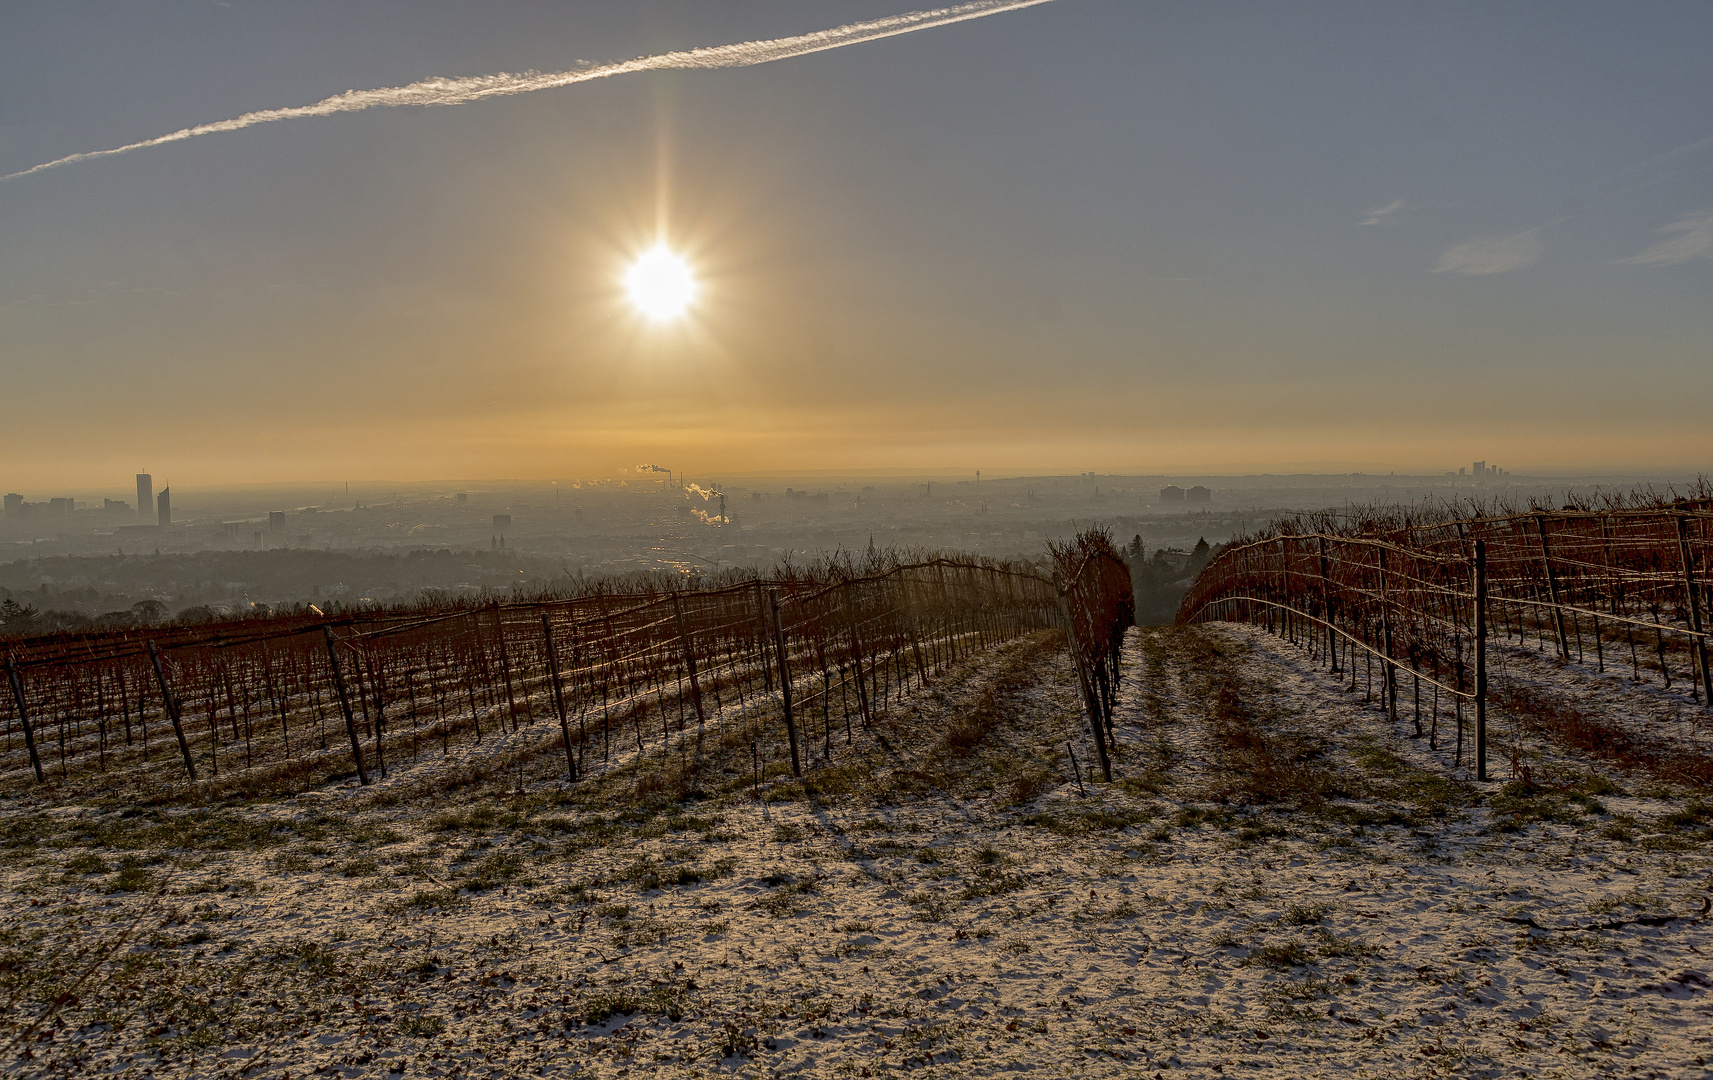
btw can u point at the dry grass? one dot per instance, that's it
(1539, 714)
(600, 870)
(1029, 785)
(1259, 762)
(1001, 699)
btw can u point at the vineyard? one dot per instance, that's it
(1384, 597)
(614, 671)
(837, 820)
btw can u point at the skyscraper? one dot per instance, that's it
(163, 508)
(145, 494)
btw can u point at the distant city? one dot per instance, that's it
(235, 550)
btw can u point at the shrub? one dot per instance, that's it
(132, 877)
(1305, 914)
(425, 900)
(423, 1025)
(85, 862)
(1282, 955)
(1028, 786)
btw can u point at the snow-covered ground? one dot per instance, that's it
(1280, 882)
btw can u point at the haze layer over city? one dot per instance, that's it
(224, 551)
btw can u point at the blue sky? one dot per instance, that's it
(1086, 235)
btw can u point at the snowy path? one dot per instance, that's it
(1280, 882)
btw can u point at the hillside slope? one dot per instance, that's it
(1281, 883)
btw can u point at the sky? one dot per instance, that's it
(1105, 235)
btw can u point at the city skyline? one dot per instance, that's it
(146, 497)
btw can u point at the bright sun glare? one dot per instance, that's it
(660, 284)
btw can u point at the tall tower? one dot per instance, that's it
(163, 508)
(145, 494)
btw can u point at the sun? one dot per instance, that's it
(660, 285)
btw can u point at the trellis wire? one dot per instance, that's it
(610, 662)
(1421, 598)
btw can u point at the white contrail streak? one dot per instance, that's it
(442, 91)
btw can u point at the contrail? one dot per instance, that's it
(442, 91)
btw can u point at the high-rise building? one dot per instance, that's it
(163, 508)
(145, 494)
(14, 505)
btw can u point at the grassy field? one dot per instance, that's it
(1280, 882)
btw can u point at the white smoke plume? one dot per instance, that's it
(654, 469)
(450, 91)
(698, 489)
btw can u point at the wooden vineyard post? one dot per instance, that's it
(1552, 590)
(366, 672)
(172, 709)
(345, 704)
(1457, 704)
(1326, 605)
(558, 693)
(17, 682)
(125, 704)
(784, 680)
(916, 648)
(1690, 593)
(856, 655)
(1611, 591)
(689, 653)
(505, 665)
(1480, 659)
(1389, 683)
(761, 639)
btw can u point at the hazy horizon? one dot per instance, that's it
(334, 491)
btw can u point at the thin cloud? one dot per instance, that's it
(1385, 215)
(443, 91)
(1670, 155)
(1491, 255)
(1694, 240)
